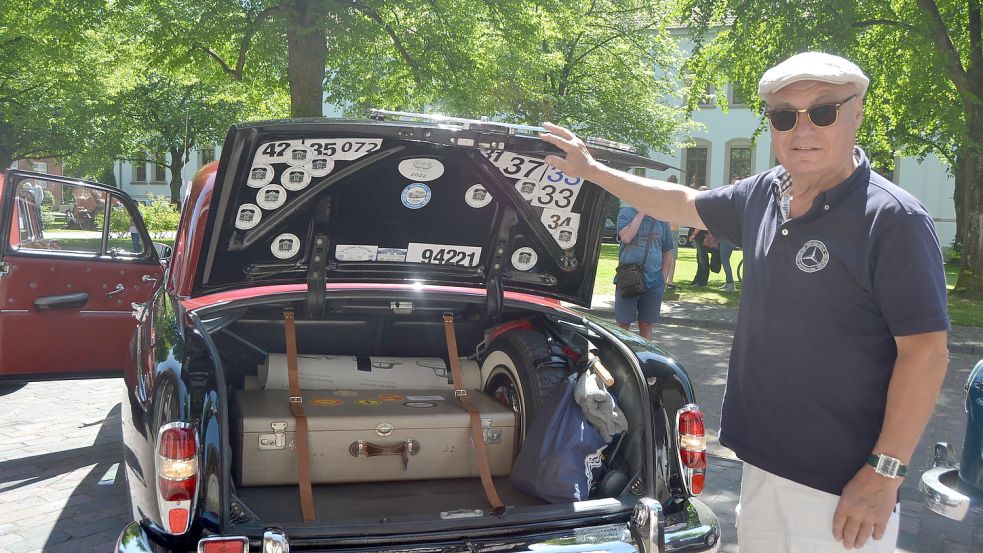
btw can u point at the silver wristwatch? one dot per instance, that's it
(887, 466)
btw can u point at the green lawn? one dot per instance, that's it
(963, 312)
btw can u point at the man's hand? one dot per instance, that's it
(579, 162)
(864, 508)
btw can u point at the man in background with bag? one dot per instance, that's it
(646, 247)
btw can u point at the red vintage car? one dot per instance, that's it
(342, 299)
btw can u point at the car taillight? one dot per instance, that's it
(692, 445)
(177, 474)
(224, 544)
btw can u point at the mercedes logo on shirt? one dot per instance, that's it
(812, 257)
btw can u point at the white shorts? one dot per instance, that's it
(780, 516)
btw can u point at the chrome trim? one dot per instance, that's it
(274, 541)
(647, 525)
(684, 471)
(935, 488)
(969, 382)
(133, 539)
(164, 506)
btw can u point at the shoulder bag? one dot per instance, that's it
(631, 276)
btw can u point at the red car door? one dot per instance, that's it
(75, 255)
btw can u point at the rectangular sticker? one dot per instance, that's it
(354, 252)
(559, 195)
(344, 149)
(391, 254)
(440, 254)
(424, 398)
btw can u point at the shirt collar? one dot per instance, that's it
(782, 184)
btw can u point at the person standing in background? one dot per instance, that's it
(643, 240)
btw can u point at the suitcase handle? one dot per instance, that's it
(369, 449)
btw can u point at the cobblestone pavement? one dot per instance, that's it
(60, 448)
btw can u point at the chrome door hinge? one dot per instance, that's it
(4, 268)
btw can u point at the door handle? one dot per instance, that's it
(119, 288)
(65, 301)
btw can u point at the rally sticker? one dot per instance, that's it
(477, 196)
(527, 189)
(391, 254)
(440, 254)
(391, 397)
(415, 195)
(295, 178)
(298, 155)
(327, 402)
(285, 246)
(367, 402)
(319, 166)
(355, 252)
(562, 225)
(345, 393)
(248, 216)
(425, 398)
(420, 404)
(421, 169)
(344, 149)
(556, 195)
(271, 196)
(524, 259)
(260, 175)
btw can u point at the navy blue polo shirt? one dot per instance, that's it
(823, 296)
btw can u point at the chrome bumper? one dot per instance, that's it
(693, 529)
(937, 488)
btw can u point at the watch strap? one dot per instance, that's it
(875, 461)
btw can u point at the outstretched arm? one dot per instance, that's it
(662, 200)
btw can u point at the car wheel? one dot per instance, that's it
(681, 240)
(518, 373)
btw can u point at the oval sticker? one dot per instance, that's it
(477, 196)
(320, 166)
(295, 178)
(260, 175)
(421, 169)
(524, 259)
(285, 246)
(298, 155)
(271, 196)
(248, 216)
(415, 195)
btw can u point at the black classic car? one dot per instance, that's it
(357, 330)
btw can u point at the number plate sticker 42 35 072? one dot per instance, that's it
(441, 254)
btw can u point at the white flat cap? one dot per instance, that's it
(812, 66)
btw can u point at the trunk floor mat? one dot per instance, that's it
(378, 499)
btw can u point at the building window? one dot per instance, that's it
(739, 165)
(737, 95)
(709, 97)
(696, 166)
(207, 155)
(159, 173)
(39, 167)
(140, 172)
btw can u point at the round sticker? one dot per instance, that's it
(295, 178)
(391, 397)
(319, 166)
(271, 196)
(524, 259)
(367, 402)
(527, 188)
(415, 195)
(421, 169)
(327, 402)
(419, 404)
(260, 175)
(477, 196)
(346, 393)
(285, 246)
(298, 155)
(248, 216)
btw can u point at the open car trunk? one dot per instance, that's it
(374, 371)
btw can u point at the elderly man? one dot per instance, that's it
(840, 348)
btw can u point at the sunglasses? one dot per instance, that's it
(823, 115)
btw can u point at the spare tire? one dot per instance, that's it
(519, 371)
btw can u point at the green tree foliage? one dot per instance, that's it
(925, 61)
(50, 80)
(594, 65)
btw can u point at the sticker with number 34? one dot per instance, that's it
(563, 225)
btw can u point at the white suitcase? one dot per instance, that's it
(367, 436)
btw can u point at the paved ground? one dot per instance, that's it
(60, 445)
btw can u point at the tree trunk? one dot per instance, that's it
(307, 56)
(970, 284)
(177, 167)
(6, 159)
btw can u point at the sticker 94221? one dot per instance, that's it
(440, 254)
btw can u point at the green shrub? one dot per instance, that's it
(119, 222)
(47, 216)
(49, 199)
(161, 217)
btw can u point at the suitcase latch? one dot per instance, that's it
(489, 435)
(276, 440)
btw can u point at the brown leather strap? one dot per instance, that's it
(300, 419)
(477, 435)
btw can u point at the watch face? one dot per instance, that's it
(887, 466)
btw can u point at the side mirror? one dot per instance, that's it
(163, 250)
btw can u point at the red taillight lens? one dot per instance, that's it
(177, 490)
(223, 545)
(177, 443)
(696, 483)
(692, 439)
(177, 520)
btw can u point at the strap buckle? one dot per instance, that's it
(296, 399)
(460, 393)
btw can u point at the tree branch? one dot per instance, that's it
(943, 43)
(407, 57)
(945, 153)
(244, 45)
(874, 22)
(975, 46)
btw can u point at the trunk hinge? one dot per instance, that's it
(315, 277)
(494, 290)
(4, 268)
